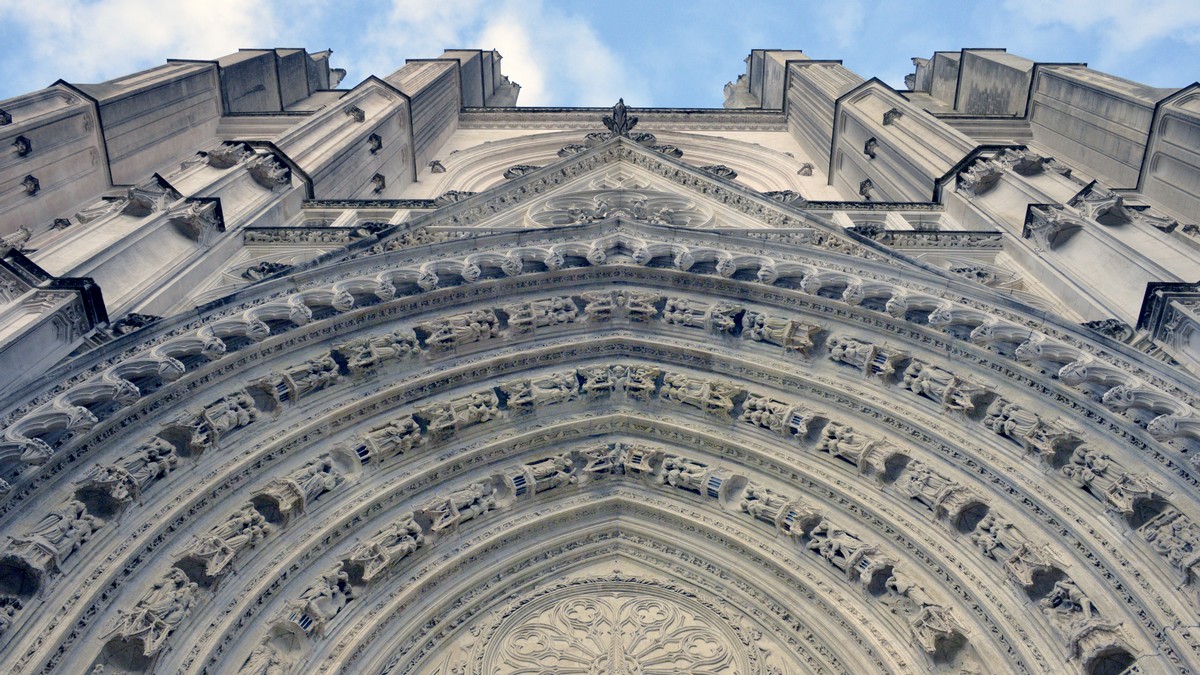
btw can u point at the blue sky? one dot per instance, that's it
(576, 52)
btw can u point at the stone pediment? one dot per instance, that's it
(621, 180)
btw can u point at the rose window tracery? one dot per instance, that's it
(612, 630)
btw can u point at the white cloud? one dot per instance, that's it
(90, 41)
(1121, 26)
(556, 57)
(843, 19)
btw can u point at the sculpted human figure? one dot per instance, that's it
(391, 545)
(62, 531)
(683, 473)
(552, 472)
(369, 352)
(905, 586)
(150, 461)
(851, 351)
(460, 506)
(834, 544)
(317, 478)
(329, 595)
(397, 436)
(265, 660)
(601, 460)
(159, 612)
(1087, 465)
(762, 503)
(1067, 598)
(988, 534)
(685, 312)
(243, 529)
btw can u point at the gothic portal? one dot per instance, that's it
(401, 378)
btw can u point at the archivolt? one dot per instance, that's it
(853, 413)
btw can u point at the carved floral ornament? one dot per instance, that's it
(682, 319)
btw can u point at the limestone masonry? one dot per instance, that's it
(402, 378)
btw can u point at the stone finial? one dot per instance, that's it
(621, 122)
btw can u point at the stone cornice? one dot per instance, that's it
(675, 119)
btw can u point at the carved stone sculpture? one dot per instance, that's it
(942, 386)
(793, 336)
(719, 317)
(714, 397)
(683, 473)
(527, 317)
(394, 438)
(220, 418)
(124, 480)
(442, 515)
(636, 381)
(871, 359)
(365, 354)
(534, 393)
(447, 417)
(380, 553)
(295, 491)
(631, 305)
(216, 550)
(58, 534)
(785, 419)
(152, 620)
(461, 329)
(321, 602)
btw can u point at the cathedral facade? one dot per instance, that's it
(402, 378)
